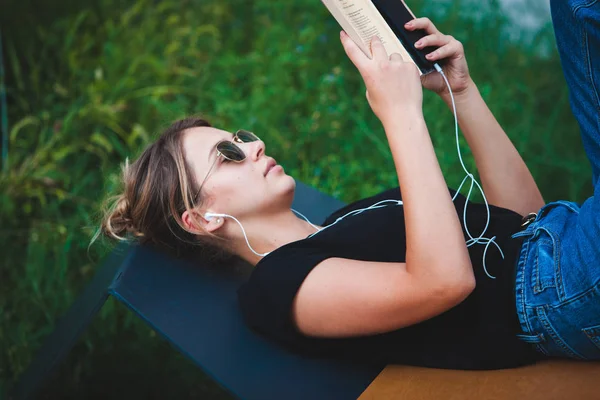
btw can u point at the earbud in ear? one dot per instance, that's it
(208, 216)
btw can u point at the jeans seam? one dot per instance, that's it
(577, 297)
(578, 7)
(541, 349)
(594, 337)
(536, 272)
(590, 71)
(540, 286)
(521, 271)
(554, 335)
(558, 271)
(586, 51)
(557, 264)
(567, 204)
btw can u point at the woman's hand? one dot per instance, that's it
(451, 50)
(393, 86)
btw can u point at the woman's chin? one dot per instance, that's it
(291, 181)
(288, 184)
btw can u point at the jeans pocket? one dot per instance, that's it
(593, 333)
(547, 261)
(559, 337)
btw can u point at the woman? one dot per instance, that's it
(387, 279)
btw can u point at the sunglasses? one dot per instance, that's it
(230, 151)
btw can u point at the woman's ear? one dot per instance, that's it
(195, 222)
(190, 222)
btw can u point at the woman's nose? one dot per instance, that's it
(257, 149)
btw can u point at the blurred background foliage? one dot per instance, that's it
(91, 82)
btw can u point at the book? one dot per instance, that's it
(363, 19)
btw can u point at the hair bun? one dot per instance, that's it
(118, 221)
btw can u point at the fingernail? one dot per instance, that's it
(408, 24)
(419, 44)
(430, 55)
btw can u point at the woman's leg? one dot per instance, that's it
(577, 30)
(557, 281)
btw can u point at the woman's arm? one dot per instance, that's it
(395, 95)
(435, 244)
(437, 274)
(506, 180)
(505, 177)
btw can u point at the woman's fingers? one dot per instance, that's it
(396, 57)
(447, 46)
(421, 23)
(377, 49)
(436, 40)
(452, 49)
(353, 52)
(358, 58)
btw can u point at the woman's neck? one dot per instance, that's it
(268, 233)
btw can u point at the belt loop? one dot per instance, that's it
(520, 234)
(539, 338)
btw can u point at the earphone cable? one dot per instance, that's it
(472, 240)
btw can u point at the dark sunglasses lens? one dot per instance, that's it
(231, 151)
(246, 136)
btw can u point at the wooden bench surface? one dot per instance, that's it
(547, 380)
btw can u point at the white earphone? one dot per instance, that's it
(472, 240)
(208, 216)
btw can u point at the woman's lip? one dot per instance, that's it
(276, 166)
(270, 164)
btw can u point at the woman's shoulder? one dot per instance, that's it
(289, 263)
(267, 295)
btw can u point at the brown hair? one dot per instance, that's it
(157, 188)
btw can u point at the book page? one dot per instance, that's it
(346, 25)
(365, 22)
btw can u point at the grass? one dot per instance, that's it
(98, 81)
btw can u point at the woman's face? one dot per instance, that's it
(243, 189)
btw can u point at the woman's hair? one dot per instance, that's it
(156, 189)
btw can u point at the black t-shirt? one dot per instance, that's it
(479, 333)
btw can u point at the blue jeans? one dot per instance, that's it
(557, 276)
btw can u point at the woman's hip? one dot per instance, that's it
(557, 297)
(565, 329)
(558, 302)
